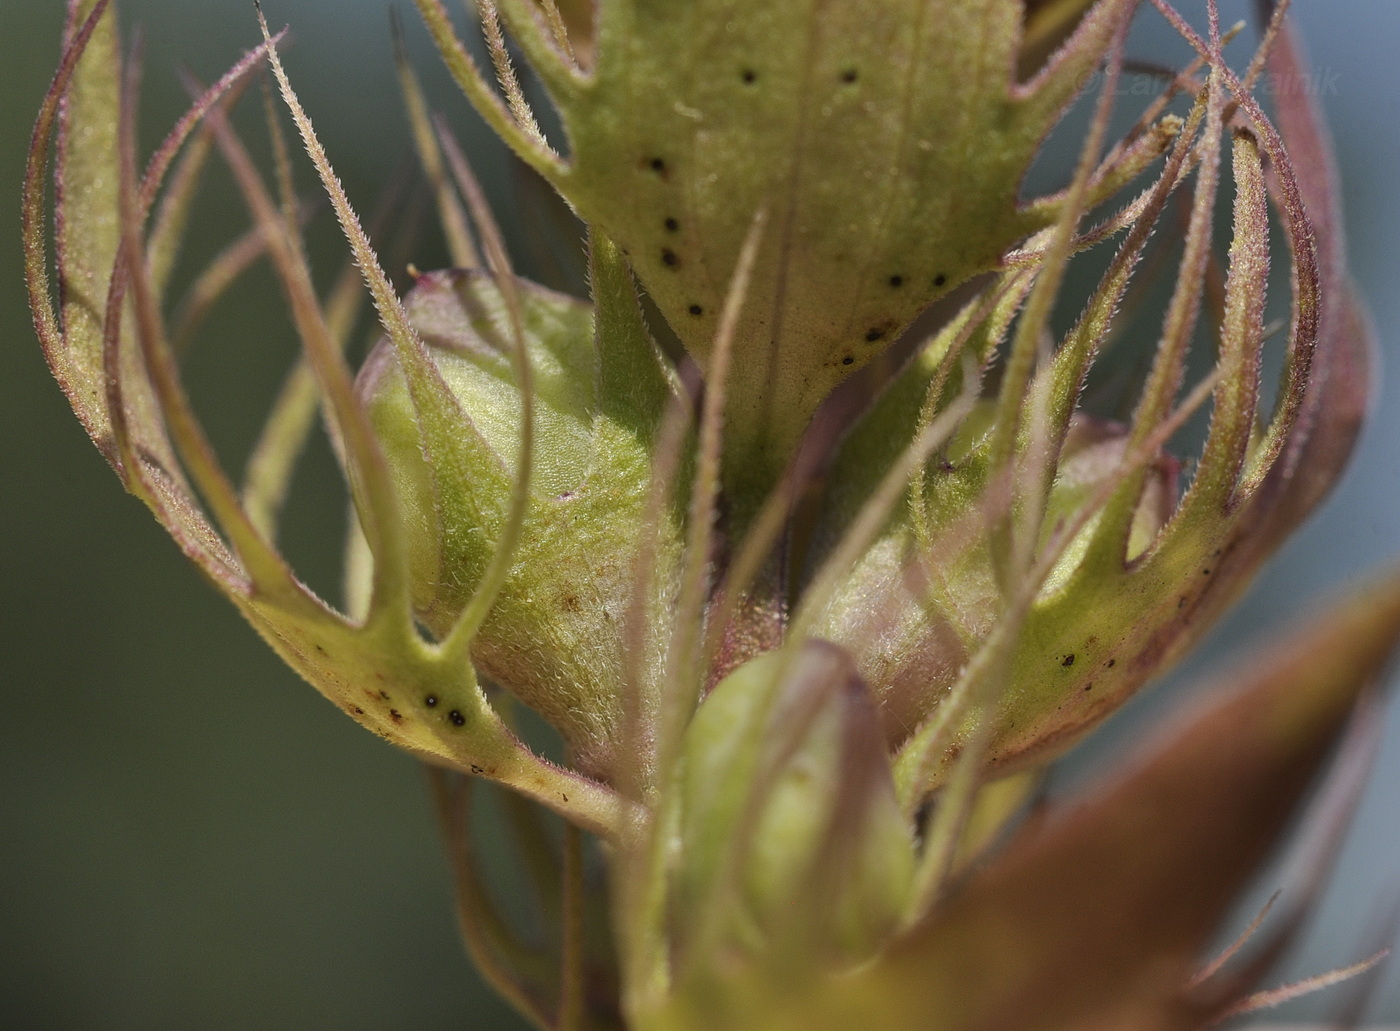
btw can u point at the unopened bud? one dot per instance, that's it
(791, 842)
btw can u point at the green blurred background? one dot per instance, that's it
(189, 836)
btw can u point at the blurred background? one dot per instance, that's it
(190, 836)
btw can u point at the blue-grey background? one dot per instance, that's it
(189, 836)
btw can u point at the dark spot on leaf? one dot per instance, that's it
(430, 701)
(1181, 602)
(569, 603)
(939, 279)
(456, 718)
(695, 309)
(749, 76)
(1068, 660)
(873, 334)
(1111, 663)
(395, 716)
(563, 796)
(671, 224)
(477, 769)
(359, 711)
(669, 258)
(1088, 687)
(320, 649)
(896, 281)
(848, 360)
(1205, 572)
(849, 75)
(658, 165)
(384, 695)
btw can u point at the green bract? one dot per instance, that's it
(807, 650)
(857, 127)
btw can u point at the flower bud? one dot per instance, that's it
(554, 635)
(924, 596)
(790, 839)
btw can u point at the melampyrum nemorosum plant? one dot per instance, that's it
(800, 693)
